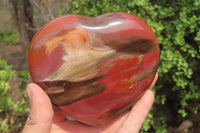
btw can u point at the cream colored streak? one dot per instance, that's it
(81, 61)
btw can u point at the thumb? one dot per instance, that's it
(41, 114)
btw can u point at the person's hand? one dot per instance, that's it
(44, 118)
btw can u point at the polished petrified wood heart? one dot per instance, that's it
(94, 69)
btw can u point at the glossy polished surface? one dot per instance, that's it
(94, 69)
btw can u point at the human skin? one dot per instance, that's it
(45, 118)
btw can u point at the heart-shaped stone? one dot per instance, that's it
(94, 69)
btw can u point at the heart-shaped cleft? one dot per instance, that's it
(94, 69)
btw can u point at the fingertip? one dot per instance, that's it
(39, 100)
(150, 94)
(37, 92)
(41, 113)
(32, 85)
(29, 89)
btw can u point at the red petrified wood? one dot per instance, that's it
(94, 69)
